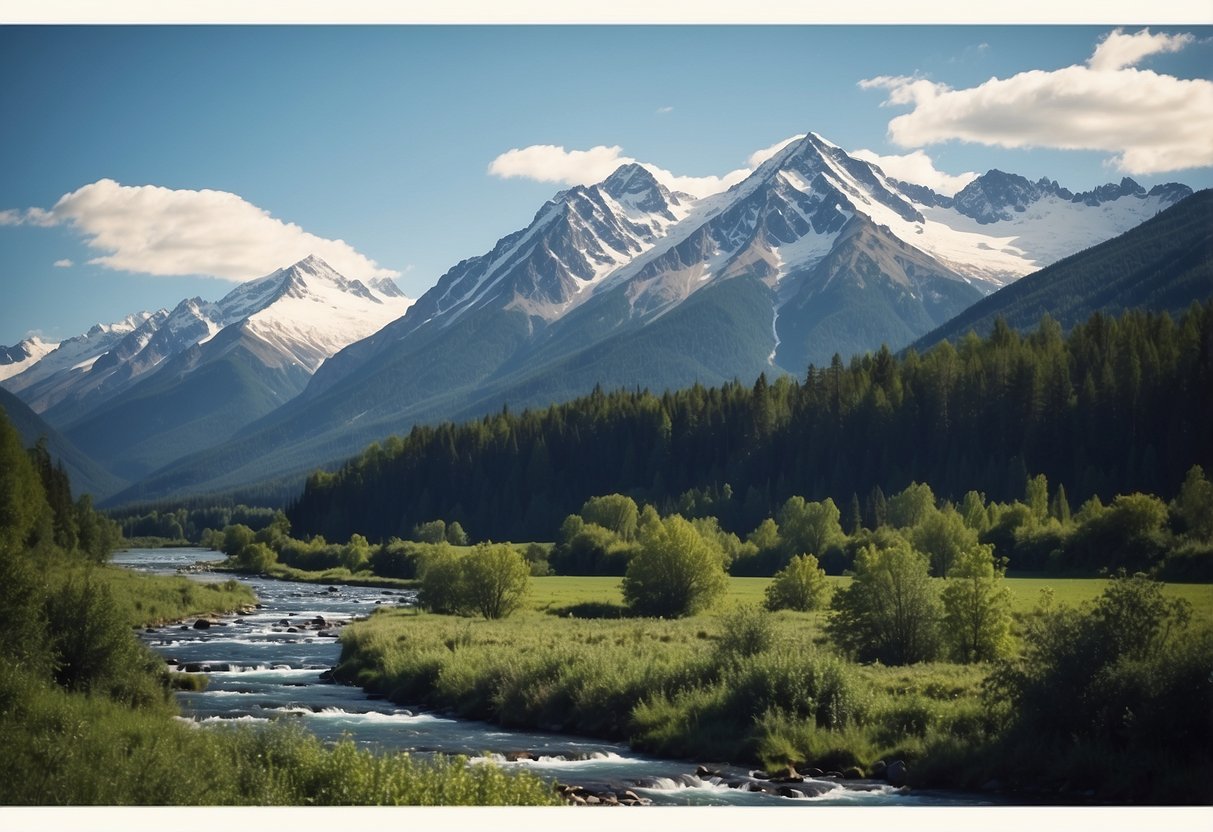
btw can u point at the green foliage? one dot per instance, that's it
(676, 572)
(810, 528)
(433, 531)
(496, 579)
(1194, 505)
(491, 580)
(944, 538)
(978, 415)
(615, 512)
(256, 559)
(455, 535)
(1121, 676)
(746, 631)
(976, 608)
(911, 506)
(890, 612)
(801, 586)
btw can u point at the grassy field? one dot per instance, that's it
(159, 599)
(562, 593)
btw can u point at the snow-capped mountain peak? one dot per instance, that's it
(305, 312)
(23, 355)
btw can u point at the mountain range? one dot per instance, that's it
(621, 283)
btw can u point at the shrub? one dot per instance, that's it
(492, 580)
(977, 608)
(890, 611)
(801, 586)
(745, 631)
(676, 572)
(495, 579)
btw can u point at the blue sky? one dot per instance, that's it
(382, 137)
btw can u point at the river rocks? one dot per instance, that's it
(853, 773)
(581, 796)
(878, 769)
(319, 621)
(895, 774)
(202, 624)
(331, 589)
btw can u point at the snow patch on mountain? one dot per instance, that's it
(23, 355)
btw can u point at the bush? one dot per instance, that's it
(676, 572)
(496, 579)
(746, 631)
(492, 580)
(800, 586)
(890, 611)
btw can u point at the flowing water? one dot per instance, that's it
(268, 665)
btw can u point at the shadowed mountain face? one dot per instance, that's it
(1164, 264)
(626, 283)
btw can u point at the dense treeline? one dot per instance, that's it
(1118, 405)
(188, 523)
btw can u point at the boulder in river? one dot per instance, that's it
(202, 624)
(895, 774)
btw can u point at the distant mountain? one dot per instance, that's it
(138, 394)
(20, 357)
(625, 283)
(1164, 264)
(86, 475)
(73, 357)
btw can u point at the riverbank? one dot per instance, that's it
(692, 689)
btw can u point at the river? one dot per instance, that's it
(268, 665)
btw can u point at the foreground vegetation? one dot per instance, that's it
(744, 685)
(86, 711)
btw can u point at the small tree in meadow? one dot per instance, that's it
(977, 608)
(801, 585)
(890, 611)
(495, 579)
(676, 572)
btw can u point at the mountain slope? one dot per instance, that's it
(1164, 264)
(627, 284)
(87, 476)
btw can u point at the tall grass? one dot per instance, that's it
(65, 749)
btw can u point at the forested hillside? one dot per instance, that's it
(1117, 405)
(1164, 264)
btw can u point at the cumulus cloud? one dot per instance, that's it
(1118, 50)
(64, 263)
(552, 163)
(162, 231)
(1151, 123)
(918, 168)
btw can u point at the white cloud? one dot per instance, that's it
(64, 263)
(760, 156)
(552, 163)
(1152, 123)
(918, 168)
(1119, 50)
(663, 110)
(161, 231)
